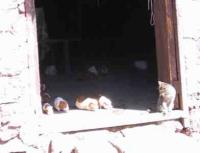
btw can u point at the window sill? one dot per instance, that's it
(80, 120)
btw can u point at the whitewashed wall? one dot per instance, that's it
(188, 21)
(19, 94)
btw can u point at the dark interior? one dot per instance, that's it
(114, 36)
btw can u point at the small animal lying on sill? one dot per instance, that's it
(61, 104)
(105, 103)
(87, 103)
(93, 104)
(167, 95)
(47, 108)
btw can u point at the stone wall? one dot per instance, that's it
(189, 50)
(189, 46)
(19, 98)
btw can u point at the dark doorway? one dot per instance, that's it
(114, 37)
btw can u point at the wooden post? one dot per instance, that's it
(167, 46)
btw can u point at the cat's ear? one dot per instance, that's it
(159, 83)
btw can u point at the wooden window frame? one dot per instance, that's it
(168, 71)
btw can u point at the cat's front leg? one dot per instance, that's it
(171, 106)
(164, 108)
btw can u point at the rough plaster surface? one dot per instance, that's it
(15, 66)
(13, 55)
(189, 48)
(151, 138)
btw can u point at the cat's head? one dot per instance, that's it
(164, 87)
(161, 84)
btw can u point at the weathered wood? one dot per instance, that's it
(166, 45)
(79, 120)
(165, 32)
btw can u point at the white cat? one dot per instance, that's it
(167, 95)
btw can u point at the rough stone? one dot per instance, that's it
(7, 135)
(189, 48)
(15, 82)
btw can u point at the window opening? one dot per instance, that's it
(115, 41)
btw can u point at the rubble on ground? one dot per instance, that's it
(149, 138)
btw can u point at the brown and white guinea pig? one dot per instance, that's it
(105, 103)
(61, 104)
(87, 103)
(47, 108)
